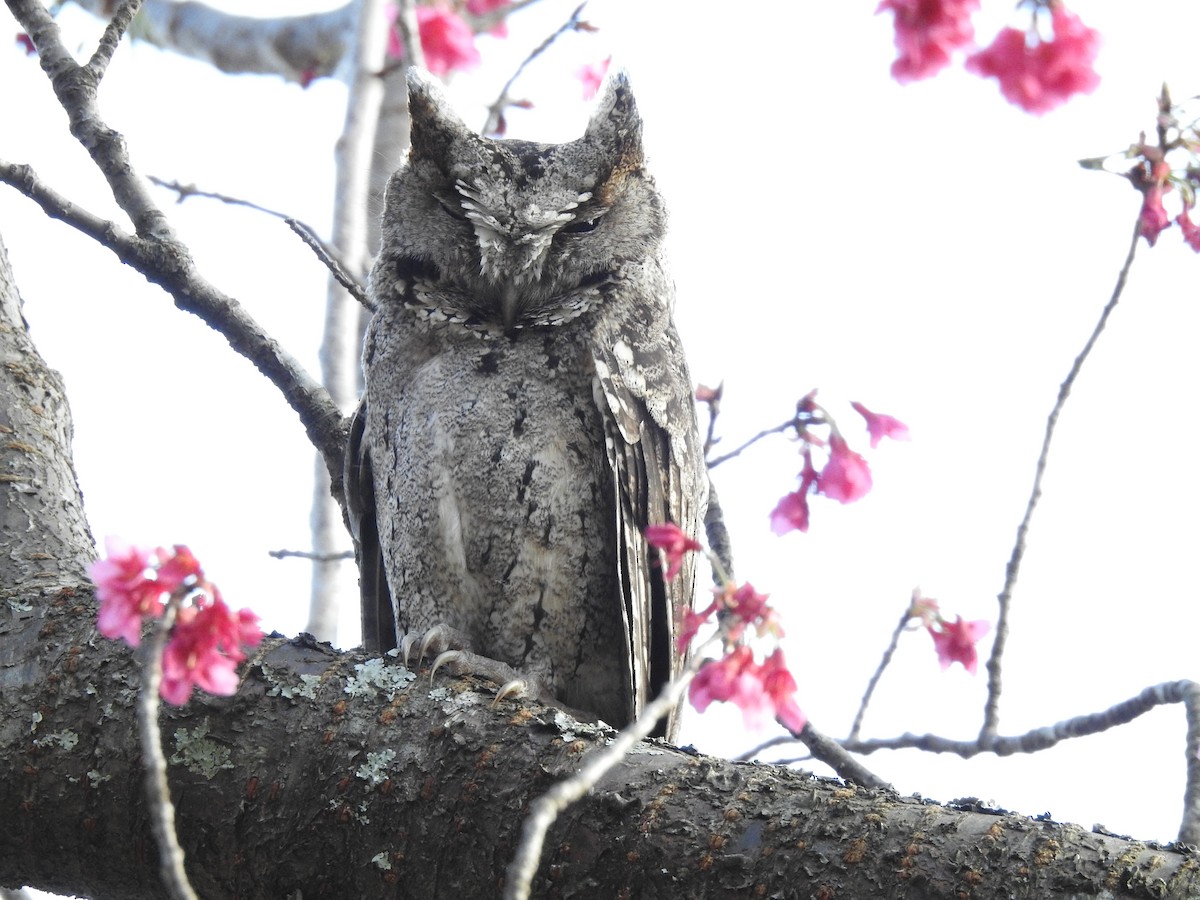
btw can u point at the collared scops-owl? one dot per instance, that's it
(528, 409)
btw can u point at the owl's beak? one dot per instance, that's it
(510, 305)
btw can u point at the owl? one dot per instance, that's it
(527, 411)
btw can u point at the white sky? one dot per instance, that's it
(928, 250)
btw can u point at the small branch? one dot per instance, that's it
(755, 752)
(1189, 830)
(329, 259)
(302, 229)
(1040, 738)
(113, 33)
(834, 755)
(883, 664)
(713, 403)
(790, 423)
(308, 554)
(991, 712)
(158, 791)
(495, 114)
(550, 805)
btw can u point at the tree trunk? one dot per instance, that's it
(334, 775)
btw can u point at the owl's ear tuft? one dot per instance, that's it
(615, 123)
(434, 124)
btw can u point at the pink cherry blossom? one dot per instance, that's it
(955, 642)
(928, 32)
(204, 649)
(746, 607)
(25, 42)
(880, 426)
(1039, 75)
(791, 513)
(178, 569)
(758, 690)
(780, 686)
(673, 542)
(483, 7)
(1191, 231)
(126, 594)
(592, 76)
(734, 679)
(845, 477)
(1153, 219)
(690, 623)
(207, 638)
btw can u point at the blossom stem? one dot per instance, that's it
(991, 710)
(158, 792)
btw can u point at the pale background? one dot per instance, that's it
(927, 250)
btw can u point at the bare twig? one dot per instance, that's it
(883, 664)
(308, 554)
(495, 115)
(1189, 830)
(328, 257)
(756, 751)
(991, 712)
(1039, 738)
(790, 423)
(158, 791)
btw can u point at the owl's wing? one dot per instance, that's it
(644, 391)
(378, 617)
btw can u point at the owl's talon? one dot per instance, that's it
(439, 637)
(406, 645)
(447, 656)
(517, 687)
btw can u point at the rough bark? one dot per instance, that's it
(339, 776)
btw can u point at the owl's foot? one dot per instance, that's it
(452, 648)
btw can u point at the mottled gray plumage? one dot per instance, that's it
(528, 408)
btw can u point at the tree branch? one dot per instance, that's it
(167, 263)
(991, 711)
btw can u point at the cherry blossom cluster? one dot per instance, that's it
(1155, 177)
(845, 477)
(954, 641)
(1038, 67)
(207, 638)
(759, 689)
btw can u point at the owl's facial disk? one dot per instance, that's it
(515, 239)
